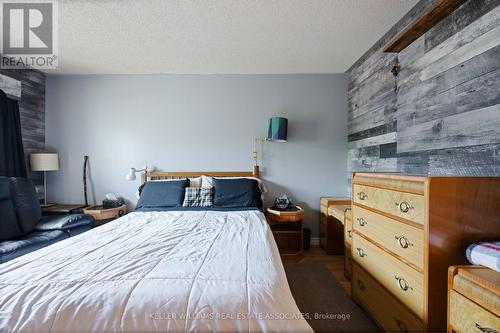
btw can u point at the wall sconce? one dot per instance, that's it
(131, 174)
(277, 132)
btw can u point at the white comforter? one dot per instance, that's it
(154, 272)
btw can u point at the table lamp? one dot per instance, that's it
(44, 162)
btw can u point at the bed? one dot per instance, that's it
(155, 270)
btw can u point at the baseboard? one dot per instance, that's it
(315, 241)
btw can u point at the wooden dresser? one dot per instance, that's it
(407, 231)
(339, 213)
(473, 299)
(331, 225)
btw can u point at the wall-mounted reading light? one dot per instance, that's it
(131, 174)
(277, 132)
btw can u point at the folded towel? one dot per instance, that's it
(486, 254)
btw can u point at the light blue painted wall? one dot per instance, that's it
(198, 122)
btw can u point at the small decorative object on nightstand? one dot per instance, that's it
(102, 216)
(287, 228)
(282, 202)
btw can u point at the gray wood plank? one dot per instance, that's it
(477, 93)
(445, 114)
(375, 118)
(459, 19)
(412, 88)
(463, 53)
(471, 128)
(469, 34)
(389, 127)
(483, 160)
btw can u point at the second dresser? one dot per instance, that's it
(407, 230)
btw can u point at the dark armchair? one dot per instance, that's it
(22, 227)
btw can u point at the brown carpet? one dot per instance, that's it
(320, 296)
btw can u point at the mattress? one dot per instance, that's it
(175, 271)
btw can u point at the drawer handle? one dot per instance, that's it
(403, 284)
(485, 329)
(403, 241)
(361, 285)
(404, 206)
(401, 325)
(361, 221)
(361, 252)
(362, 195)
(349, 233)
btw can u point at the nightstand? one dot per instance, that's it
(288, 232)
(102, 216)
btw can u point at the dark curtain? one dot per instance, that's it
(12, 162)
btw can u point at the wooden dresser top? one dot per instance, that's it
(485, 277)
(338, 211)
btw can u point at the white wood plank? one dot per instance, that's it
(373, 164)
(10, 86)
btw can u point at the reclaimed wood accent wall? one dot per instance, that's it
(32, 110)
(441, 114)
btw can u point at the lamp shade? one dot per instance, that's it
(44, 162)
(131, 174)
(277, 129)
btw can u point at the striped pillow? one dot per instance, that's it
(198, 197)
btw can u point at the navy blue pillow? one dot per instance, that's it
(241, 192)
(163, 194)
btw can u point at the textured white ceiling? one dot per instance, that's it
(220, 36)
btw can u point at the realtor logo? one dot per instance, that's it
(29, 34)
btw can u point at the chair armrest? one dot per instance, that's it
(64, 222)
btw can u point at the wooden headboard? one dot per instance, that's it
(159, 175)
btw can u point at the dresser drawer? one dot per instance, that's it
(467, 316)
(392, 316)
(406, 205)
(348, 262)
(348, 227)
(400, 279)
(402, 239)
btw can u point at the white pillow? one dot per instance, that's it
(196, 182)
(206, 181)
